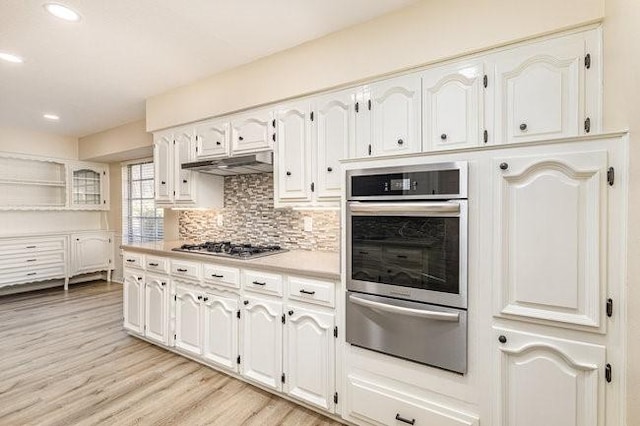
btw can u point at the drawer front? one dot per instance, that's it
(262, 282)
(222, 275)
(379, 404)
(157, 264)
(34, 245)
(312, 291)
(133, 260)
(184, 269)
(30, 260)
(23, 275)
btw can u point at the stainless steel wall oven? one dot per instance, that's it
(407, 262)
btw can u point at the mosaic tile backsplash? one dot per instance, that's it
(248, 216)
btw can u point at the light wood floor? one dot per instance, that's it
(65, 360)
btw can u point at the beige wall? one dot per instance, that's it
(126, 142)
(426, 32)
(37, 143)
(622, 110)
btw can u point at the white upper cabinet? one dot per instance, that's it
(220, 342)
(156, 300)
(89, 188)
(212, 139)
(188, 320)
(293, 152)
(184, 185)
(163, 163)
(133, 295)
(262, 342)
(549, 89)
(252, 132)
(452, 109)
(548, 381)
(550, 215)
(396, 115)
(309, 361)
(334, 129)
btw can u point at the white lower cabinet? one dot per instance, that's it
(220, 342)
(261, 358)
(188, 335)
(371, 402)
(133, 289)
(91, 252)
(309, 356)
(156, 318)
(548, 381)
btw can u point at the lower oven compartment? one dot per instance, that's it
(429, 334)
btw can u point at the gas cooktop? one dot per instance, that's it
(229, 249)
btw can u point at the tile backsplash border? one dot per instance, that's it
(249, 216)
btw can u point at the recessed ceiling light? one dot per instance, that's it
(51, 117)
(11, 58)
(63, 12)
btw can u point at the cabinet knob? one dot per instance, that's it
(502, 339)
(290, 312)
(400, 141)
(218, 143)
(163, 284)
(246, 302)
(329, 169)
(199, 297)
(184, 181)
(288, 173)
(205, 299)
(77, 239)
(504, 166)
(240, 138)
(523, 126)
(139, 278)
(163, 183)
(443, 136)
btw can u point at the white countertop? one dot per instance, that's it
(318, 264)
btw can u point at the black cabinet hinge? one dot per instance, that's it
(357, 106)
(238, 360)
(313, 187)
(109, 239)
(175, 337)
(587, 125)
(335, 331)
(369, 104)
(611, 176)
(284, 318)
(175, 297)
(238, 314)
(335, 398)
(283, 378)
(609, 307)
(485, 136)
(369, 149)
(196, 146)
(587, 61)
(311, 115)
(273, 137)
(607, 373)
(174, 192)
(273, 123)
(485, 81)
(104, 173)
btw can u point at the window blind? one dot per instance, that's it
(141, 220)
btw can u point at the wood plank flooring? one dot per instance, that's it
(65, 360)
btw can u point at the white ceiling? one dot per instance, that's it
(96, 74)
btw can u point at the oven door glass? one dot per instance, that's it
(419, 252)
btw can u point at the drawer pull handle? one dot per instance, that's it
(199, 297)
(131, 260)
(181, 270)
(403, 420)
(303, 291)
(163, 284)
(31, 273)
(402, 256)
(31, 260)
(31, 247)
(363, 252)
(153, 264)
(217, 276)
(139, 278)
(205, 299)
(259, 283)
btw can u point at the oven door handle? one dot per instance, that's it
(434, 315)
(383, 209)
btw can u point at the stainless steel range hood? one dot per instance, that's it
(261, 162)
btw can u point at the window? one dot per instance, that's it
(141, 220)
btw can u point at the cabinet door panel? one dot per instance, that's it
(163, 163)
(262, 342)
(133, 294)
(451, 106)
(294, 135)
(334, 132)
(362, 143)
(252, 132)
(91, 252)
(396, 115)
(540, 90)
(309, 360)
(221, 331)
(212, 140)
(184, 184)
(156, 317)
(550, 221)
(548, 381)
(188, 324)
